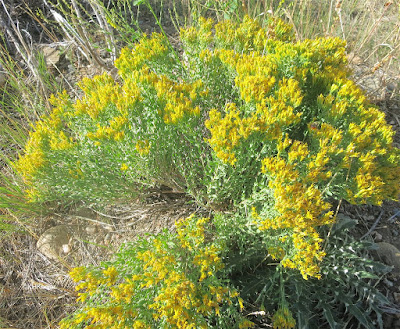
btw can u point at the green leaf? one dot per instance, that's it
(361, 317)
(378, 313)
(138, 2)
(329, 317)
(344, 223)
(365, 275)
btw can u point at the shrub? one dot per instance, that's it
(167, 281)
(243, 105)
(244, 119)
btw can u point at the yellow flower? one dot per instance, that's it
(143, 147)
(283, 319)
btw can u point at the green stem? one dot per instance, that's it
(162, 30)
(282, 286)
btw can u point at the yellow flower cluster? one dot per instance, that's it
(47, 136)
(103, 316)
(99, 92)
(113, 131)
(200, 36)
(191, 239)
(338, 140)
(179, 98)
(283, 319)
(368, 155)
(271, 116)
(58, 134)
(143, 147)
(301, 209)
(148, 49)
(249, 35)
(225, 133)
(186, 295)
(176, 98)
(180, 295)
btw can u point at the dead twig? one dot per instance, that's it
(373, 225)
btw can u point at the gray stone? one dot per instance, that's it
(377, 236)
(51, 55)
(59, 241)
(53, 241)
(390, 255)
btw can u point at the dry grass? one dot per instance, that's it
(37, 291)
(33, 289)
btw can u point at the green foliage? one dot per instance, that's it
(21, 103)
(344, 297)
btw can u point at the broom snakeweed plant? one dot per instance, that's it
(243, 115)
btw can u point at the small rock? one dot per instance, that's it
(91, 229)
(370, 217)
(71, 68)
(388, 282)
(391, 87)
(386, 232)
(355, 59)
(390, 255)
(51, 242)
(377, 236)
(108, 228)
(66, 248)
(51, 55)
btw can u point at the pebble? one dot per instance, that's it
(108, 238)
(91, 229)
(388, 282)
(66, 248)
(377, 236)
(390, 255)
(51, 55)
